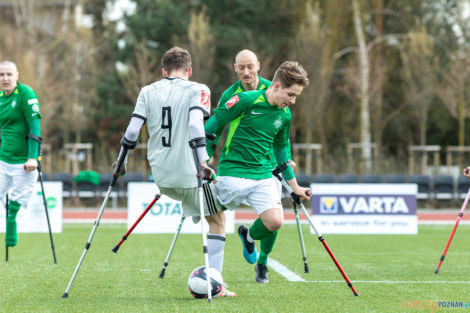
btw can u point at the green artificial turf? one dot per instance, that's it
(128, 281)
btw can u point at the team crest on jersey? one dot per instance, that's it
(278, 123)
(232, 101)
(13, 104)
(205, 100)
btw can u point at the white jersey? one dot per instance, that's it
(166, 105)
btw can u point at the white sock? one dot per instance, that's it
(215, 247)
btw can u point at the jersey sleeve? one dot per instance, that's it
(31, 108)
(201, 99)
(141, 106)
(225, 97)
(233, 108)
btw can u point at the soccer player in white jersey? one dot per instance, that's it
(174, 109)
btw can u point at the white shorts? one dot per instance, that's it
(260, 194)
(21, 183)
(190, 199)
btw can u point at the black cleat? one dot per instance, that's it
(261, 274)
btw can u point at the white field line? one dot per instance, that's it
(428, 222)
(391, 281)
(284, 271)
(293, 277)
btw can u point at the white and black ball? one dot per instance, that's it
(197, 282)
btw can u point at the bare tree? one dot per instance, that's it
(454, 92)
(316, 40)
(202, 47)
(364, 68)
(419, 72)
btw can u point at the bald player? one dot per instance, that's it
(21, 130)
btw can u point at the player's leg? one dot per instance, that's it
(266, 201)
(215, 217)
(216, 240)
(22, 189)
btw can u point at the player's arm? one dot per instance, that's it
(32, 115)
(281, 153)
(199, 108)
(129, 140)
(213, 142)
(232, 109)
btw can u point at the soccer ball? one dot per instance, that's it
(197, 282)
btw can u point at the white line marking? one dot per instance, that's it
(291, 276)
(284, 271)
(390, 281)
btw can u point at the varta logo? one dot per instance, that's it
(361, 204)
(329, 205)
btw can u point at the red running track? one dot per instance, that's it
(242, 214)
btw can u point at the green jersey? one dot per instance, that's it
(238, 88)
(258, 127)
(16, 110)
(235, 89)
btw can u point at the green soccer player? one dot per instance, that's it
(20, 134)
(262, 125)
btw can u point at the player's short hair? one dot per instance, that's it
(176, 59)
(9, 63)
(290, 73)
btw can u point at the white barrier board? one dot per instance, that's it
(32, 219)
(165, 215)
(365, 208)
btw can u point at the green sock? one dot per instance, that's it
(11, 236)
(258, 231)
(266, 247)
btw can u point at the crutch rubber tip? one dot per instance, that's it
(306, 269)
(115, 249)
(162, 273)
(65, 295)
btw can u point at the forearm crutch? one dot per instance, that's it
(45, 203)
(459, 217)
(276, 171)
(296, 199)
(97, 222)
(165, 264)
(194, 144)
(6, 216)
(124, 237)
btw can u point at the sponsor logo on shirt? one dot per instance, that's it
(256, 113)
(232, 101)
(205, 100)
(32, 101)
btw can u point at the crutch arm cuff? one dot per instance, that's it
(197, 142)
(126, 143)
